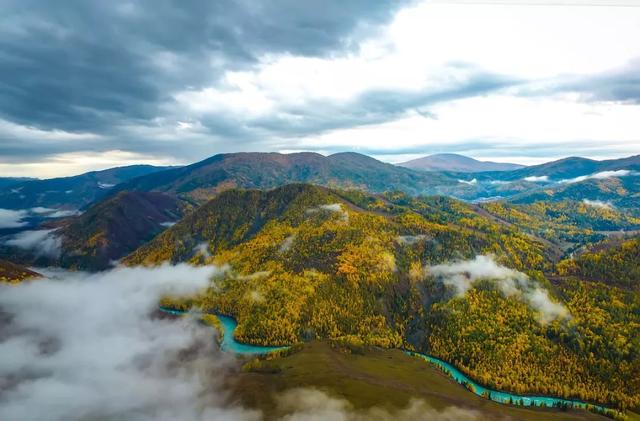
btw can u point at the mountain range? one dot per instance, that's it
(569, 168)
(120, 218)
(514, 293)
(203, 180)
(73, 192)
(569, 178)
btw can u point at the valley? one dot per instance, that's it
(532, 298)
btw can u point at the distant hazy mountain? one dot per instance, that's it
(9, 181)
(456, 163)
(69, 192)
(619, 192)
(205, 179)
(572, 167)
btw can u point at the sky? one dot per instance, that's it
(89, 85)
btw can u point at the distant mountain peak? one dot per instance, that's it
(457, 163)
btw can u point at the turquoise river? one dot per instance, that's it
(229, 344)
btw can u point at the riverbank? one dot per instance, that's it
(382, 378)
(231, 345)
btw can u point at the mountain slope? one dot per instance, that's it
(107, 231)
(569, 168)
(302, 262)
(236, 217)
(12, 273)
(9, 181)
(456, 163)
(203, 180)
(113, 228)
(613, 262)
(622, 192)
(69, 192)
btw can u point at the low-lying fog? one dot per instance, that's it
(79, 346)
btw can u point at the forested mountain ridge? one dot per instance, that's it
(203, 180)
(12, 273)
(614, 262)
(107, 231)
(567, 179)
(570, 224)
(571, 167)
(237, 216)
(302, 262)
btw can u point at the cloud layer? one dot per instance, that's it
(12, 218)
(42, 242)
(80, 346)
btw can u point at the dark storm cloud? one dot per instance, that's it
(379, 106)
(618, 85)
(85, 65)
(621, 85)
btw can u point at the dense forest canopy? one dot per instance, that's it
(464, 283)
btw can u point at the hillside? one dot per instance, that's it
(456, 163)
(566, 179)
(623, 192)
(9, 181)
(569, 168)
(203, 180)
(568, 223)
(613, 262)
(113, 228)
(106, 232)
(305, 262)
(12, 273)
(236, 217)
(69, 192)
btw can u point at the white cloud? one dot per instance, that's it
(41, 210)
(12, 218)
(287, 243)
(411, 239)
(84, 346)
(599, 176)
(202, 249)
(331, 207)
(599, 204)
(64, 213)
(54, 213)
(9, 129)
(41, 242)
(471, 182)
(536, 179)
(461, 276)
(424, 48)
